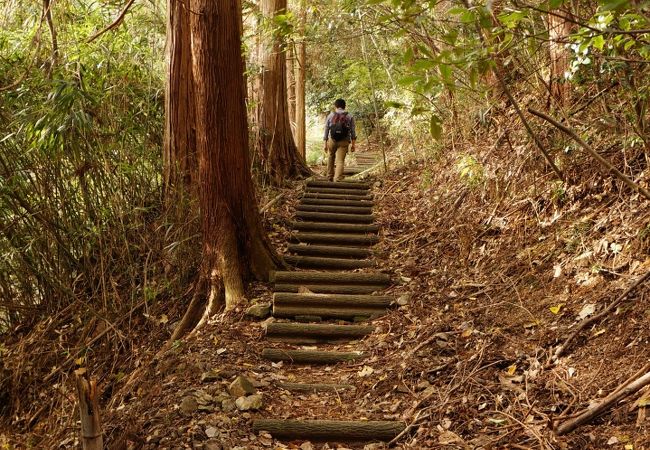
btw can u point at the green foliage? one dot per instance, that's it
(80, 167)
(470, 170)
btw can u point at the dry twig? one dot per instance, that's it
(592, 412)
(592, 152)
(588, 321)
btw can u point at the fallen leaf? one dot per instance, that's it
(367, 370)
(512, 369)
(449, 437)
(586, 311)
(556, 309)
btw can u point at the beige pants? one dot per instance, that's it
(337, 152)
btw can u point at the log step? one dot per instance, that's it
(339, 300)
(338, 184)
(330, 250)
(328, 288)
(336, 196)
(336, 300)
(335, 238)
(328, 226)
(315, 333)
(314, 262)
(320, 190)
(309, 356)
(334, 217)
(335, 202)
(373, 278)
(335, 209)
(330, 430)
(326, 312)
(315, 387)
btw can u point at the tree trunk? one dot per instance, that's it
(179, 154)
(291, 86)
(559, 29)
(301, 54)
(235, 248)
(275, 146)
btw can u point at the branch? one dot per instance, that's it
(585, 323)
(593, 152)
(592, 412)
(114, 25)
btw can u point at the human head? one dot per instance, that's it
(339, 103)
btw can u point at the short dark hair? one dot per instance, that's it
(339, 103)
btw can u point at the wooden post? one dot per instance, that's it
(91, 427)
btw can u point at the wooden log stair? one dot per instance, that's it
(334, 231)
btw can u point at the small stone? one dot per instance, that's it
(252, 402)
(241, 386)
(210, 376)
(307, 446)
(404, 300)
(212, 445)
(228, 405)
(189, 405)
(259, 311)
(211, 431)
(203, 398)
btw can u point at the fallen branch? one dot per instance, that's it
(588, 321)
(116, 23)
(590, 413)
(593, 152)
(273, 201)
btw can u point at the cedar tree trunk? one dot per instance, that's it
(274, 143)
(291, 87)
(235, 247)
(179, 153)
(301, 128)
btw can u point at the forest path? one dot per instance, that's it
(327, 308)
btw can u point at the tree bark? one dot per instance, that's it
(558, 31)
(275, 146)
(179, 153)
(235, 247)
(301, 56)
(291, 86)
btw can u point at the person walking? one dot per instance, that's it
(340, 132)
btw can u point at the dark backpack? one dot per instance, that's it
(340, 126)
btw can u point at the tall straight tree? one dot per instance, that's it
(291, 86)
(179, 158)
(235, 247)
(274, 142)
(301, 56)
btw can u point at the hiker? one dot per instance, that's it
(339, 133)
